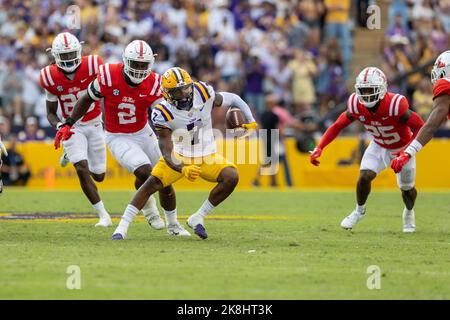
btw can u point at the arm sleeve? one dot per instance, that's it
(94, 90)
(50, 96)
(231, 99)
(333, 131)
(43, 80)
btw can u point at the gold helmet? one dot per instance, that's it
(178, 88)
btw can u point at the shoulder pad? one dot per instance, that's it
(203, 90)
(105, 75)
(352, 104)
(94, 61)
(46, 78)
(165, 113)
(394, 106)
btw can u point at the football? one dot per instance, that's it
(234, 118)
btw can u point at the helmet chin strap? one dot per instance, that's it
(129, 79)
(370, 104)
(132, 79)
(136, 81)
(72, 69)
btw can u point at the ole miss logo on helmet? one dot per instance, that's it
(440, 64)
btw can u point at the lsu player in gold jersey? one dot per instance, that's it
(183, 122)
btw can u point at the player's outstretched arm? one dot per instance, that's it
(64, 129)
(228, 99)
(192, 172)
(81, 107)
(344, 120)
(84, 102)
(437, 116)
(79, 110)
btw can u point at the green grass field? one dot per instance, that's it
(262, 245)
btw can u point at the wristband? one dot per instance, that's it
(413, 148)
(59, 125)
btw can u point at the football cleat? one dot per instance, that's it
(104, 221)
(409, 221)
(118, 236)
(156, 222)
(151, 214)
(350, 221)
(177, 230)
(196, 222)
(200, 231)
(64, 160)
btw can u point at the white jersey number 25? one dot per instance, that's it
(381, 134)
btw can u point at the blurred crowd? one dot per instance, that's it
(418, 31)
(289, 59)
(298, 51)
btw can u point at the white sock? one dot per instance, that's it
(361, 209)
(128, 216)
(100, 208)
(171, 216)
(150, 207)
(409, 211)
(205, 208)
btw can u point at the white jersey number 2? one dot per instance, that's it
(128, 115)
(381, 134)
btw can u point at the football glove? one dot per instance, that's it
(191, 172)
(316, 153)
(250, 126)
(400, 161)
(64, 133)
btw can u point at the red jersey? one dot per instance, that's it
(441, 87)
(126, 107)
(69, 91)
(384, 125)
